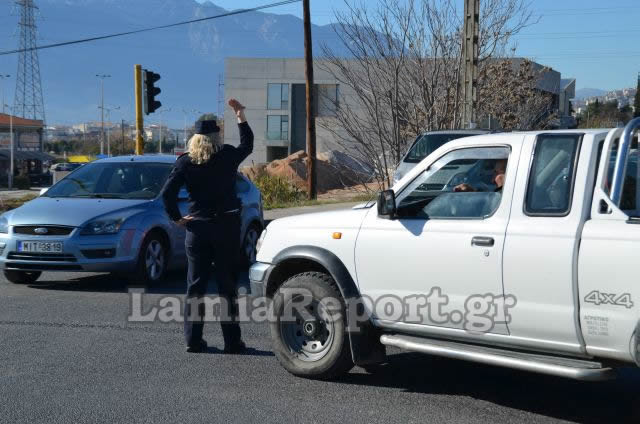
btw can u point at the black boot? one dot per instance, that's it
(198, 348)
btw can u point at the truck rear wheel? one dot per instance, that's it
(309, 330)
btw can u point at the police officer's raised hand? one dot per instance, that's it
(238, 108)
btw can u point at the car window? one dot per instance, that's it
(242, 186)
(550, 187)
(127, 180)
(465, 183)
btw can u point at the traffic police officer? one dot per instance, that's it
(208, 170)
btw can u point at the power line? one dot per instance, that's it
(103, 37)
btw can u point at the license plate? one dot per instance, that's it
(40, 246)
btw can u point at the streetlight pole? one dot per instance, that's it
(161, 116)
(185, 124)
(3, 77)
(109, 110)
(102, 77)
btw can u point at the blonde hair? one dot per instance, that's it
(202, 147)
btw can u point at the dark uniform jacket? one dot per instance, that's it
(212, 185)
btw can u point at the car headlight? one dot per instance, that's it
(4, 225)
(102, 226)
(260, 240)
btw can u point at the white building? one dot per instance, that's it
(274, 93)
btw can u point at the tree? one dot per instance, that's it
(404, 73)
(508, 91)
(208, 117)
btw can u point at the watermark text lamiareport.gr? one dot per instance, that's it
(479, 313)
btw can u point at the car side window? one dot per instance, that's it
(463, 184)
(242, 186)
(550, 186)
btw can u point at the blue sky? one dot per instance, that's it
(592, 41)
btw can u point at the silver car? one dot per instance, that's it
(426, 144)
(107, 216)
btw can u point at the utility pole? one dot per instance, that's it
(28, 101)
(3, 77)
(311, 121)
(102, 77)
(220, 97)
(470, 54)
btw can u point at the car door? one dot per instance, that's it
(440, 260)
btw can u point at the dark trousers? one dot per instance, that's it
(215, 241)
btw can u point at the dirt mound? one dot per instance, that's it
(335, 170)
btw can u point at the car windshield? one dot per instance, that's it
(113, 180)
(428, 144)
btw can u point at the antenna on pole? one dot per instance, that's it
(220, 97)
(28, 100)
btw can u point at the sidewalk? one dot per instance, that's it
(17, 194)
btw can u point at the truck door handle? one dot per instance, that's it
(483, 241)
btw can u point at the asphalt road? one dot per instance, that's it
(68, 354)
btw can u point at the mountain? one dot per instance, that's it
(189, 58)
(585, 93)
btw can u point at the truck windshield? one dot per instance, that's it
(429, 143)
(113, 180)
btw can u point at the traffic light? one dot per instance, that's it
(150, 92)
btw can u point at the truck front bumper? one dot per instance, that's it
(258, 278)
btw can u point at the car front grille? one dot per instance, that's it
(52, 230)
(41, 257)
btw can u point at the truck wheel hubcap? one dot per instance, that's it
(309, 335)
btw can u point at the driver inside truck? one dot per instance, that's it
(499, 171)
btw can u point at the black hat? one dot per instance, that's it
(207, 127)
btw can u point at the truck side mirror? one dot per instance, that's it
(387, 204)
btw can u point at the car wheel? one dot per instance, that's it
(249, 250)
(312, 342)
(22, 277)
(152, 260)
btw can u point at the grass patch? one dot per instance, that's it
(8, 204)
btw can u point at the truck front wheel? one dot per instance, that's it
(309, 327)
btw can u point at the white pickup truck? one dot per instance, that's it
(531, 269)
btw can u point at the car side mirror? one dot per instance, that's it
(387, 204)
(43, 191)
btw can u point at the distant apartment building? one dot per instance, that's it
(623, 98)
(274, 93)
(93, 128)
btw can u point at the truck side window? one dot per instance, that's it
(550, 187)
(628, 199)
(463, 184)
